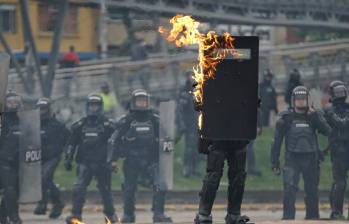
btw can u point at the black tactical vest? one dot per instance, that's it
(93, 142)
(9, 144)
(140, 135)
(342, 134)
(301, 137)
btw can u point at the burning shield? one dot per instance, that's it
(30, 157)
(4, 68)
(230, 99)
(167, 134)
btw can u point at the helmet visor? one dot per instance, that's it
(13, 102)
(141, 102)
(340, 92)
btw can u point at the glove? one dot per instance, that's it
(114, 166)
(68, 165)
(276, 168)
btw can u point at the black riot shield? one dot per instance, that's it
(30, 157)
(4, 69)
(167, 134)
(230, 100)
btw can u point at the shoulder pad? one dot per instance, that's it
(156, 116)
(78, 123)
(108, 122)
(284, 114)
(122, 118)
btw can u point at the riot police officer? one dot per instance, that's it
(186, 119)
(293, 82)
(137, 140)
(88, 144)
(54, 135)
(299, 126)
(9, 156)
(337, 116)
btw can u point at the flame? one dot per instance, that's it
(107, 221)
(76, 221)
(213, 48)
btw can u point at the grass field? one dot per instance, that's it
(268, 181)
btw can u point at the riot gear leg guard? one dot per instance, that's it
(55, 196)
(289, 210)
(79, 192)
(129, 189)
(159, 207)
(10, 198)
(215, 165)
(338, 188)
(237, 176)
(3, 215)
(311, 180)
(104, 186)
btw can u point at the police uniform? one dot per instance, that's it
(337, 116)
(9, 165)
(187, 126)
(88, 140)
(137, 140)
(54, 136)
(268, 98)
(301, 158)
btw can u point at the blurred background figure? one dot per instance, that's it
(186, 119)
(252, 168)
(70, 60)
(139, 53)
(110, 102)
(293, 82)
(268, 98)
(54, 136)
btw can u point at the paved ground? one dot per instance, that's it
(259, 214)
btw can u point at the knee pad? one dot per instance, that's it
(289, 189)
(213, 177)
(127, 188)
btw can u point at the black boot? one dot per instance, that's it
(3, 216)
(40, 209)
(56, 210)
(337, 216)
(3, 220)
(127, 218)
(129, 205)
(157, 217)
(15, 220)
(159, 207)
(236, 219)
(203, 219)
